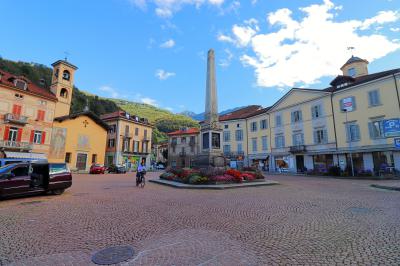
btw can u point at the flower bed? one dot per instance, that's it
(211, 175)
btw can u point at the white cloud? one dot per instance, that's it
(395, 29)
(302, 51)
(161, 74)
(149, 101)
(225, 62)
(166, 8)
(168, 44)
(111, 92)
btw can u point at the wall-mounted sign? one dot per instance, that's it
(391, 127)
(348, 104)
(397, 143)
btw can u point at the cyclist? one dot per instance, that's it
(141, 171)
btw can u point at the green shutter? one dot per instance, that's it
(371, 130)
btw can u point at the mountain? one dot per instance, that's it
(163, 120)
(200, 116)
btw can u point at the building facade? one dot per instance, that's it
(159, 151)
(128, 140)
(79, 140)
(183, 145)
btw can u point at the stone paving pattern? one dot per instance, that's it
(303, 221)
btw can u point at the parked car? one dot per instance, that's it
(160, 166)
(21, 179)
(97, 169)
(118, 169)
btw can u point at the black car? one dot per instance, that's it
(117, 169)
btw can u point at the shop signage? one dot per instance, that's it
(391, 127)
(233, 164)
(397, 143)
(348, 104)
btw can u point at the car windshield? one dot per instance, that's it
(98, 165)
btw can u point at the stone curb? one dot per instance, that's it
(213, 187)
(386, 187)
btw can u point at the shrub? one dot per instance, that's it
(196, 179)
(222, 178)
(248, 176)
(211, 171)
(168, 176)
(234, 173)
(334, 171)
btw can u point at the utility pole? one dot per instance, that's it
(350, 139)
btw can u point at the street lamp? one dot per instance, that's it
(350, 136)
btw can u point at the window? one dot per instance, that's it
(227, 148)
(226, 126)
(64, 93)
(206, 141)
(316, 111)
(183, 140)
(353, 132)
(37, 137)
(320, 136)
(237, 125)
(40, 115)
(145, 133)
(254, 144)
(239, 147)
(263, 124)
(278, 120)
(58, 168)
(22, 170)
(19, 96)
(373, 98)
(68, 157)
(126, 145)
(376, 129)
(94, 158)
(296, 116)
(20, 84)
(227, 136)
(41, 102)
(351, 72)
(136, 131)
(145, 147)
(13, 134)
(112, 129)
(279, 141)
(264, 143)
(216, 140)
(239, 135)
(136, 146)
(253, 126)
(174, 141)
(298, 139)
(66, 75)
(192, 141)
(126, 130)
(111, 143)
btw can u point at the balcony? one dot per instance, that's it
(146, 138)
(128, 135)
(9, 144)
(16, 119)
(234, 154)
(297, 149)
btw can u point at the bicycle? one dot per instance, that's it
(141, 180)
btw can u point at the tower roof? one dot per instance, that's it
(353, 59)
(65, 63)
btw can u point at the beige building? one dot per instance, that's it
(183, 145)
(159, 151)
(128, 140)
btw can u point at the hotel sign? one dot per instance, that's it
(391, 128)
(348, 104)
(397, 143)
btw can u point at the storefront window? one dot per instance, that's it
(322, 162)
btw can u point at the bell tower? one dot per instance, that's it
(62, 84)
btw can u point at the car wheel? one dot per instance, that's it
(58, 191)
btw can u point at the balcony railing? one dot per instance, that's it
(13, 118)
(233, 154)
(9, 144)
(297, 149)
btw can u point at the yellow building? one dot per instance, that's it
(79, 140)
(128, 139)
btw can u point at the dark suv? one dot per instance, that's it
(34, 178)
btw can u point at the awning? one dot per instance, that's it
(25, 155)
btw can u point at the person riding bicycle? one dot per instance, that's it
(141, 171)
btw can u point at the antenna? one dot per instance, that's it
(66, 53)
(351, 48)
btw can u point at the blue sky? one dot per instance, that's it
(154, 51)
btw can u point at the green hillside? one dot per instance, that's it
(163, 120)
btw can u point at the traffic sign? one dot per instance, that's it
(391, 127)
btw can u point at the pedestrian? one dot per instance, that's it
(141, 171)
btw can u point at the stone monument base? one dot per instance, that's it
(207, 160)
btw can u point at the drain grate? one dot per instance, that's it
(31, 202)
(113, 255)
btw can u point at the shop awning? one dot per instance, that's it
(25, 155)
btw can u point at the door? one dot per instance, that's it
(15, 181)
(300, 163)
(81, 160)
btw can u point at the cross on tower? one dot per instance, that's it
(351, 48)
(66, 53)
(85, 123)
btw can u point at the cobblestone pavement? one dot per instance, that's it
(303, 221)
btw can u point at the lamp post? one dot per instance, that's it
(349, 132)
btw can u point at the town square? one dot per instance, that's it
(204, 132)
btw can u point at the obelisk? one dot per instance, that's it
(210, 138)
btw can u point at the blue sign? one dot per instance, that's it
(397, 143)
(391, 127)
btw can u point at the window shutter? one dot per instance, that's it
(19, 136)
(358, 137)
(378, 100)
(6, 133)
(302, 138)
(325, 132)
(283, 141)
(371, 130)
(292, 117)
(43, 137)
(319, 108)
(341, 105)
(347, 128)
(32, 136)
(300, 116)
(313, 112)
(315, 136)
(294, 139)
(370, 98)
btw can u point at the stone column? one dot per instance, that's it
(211, 108)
